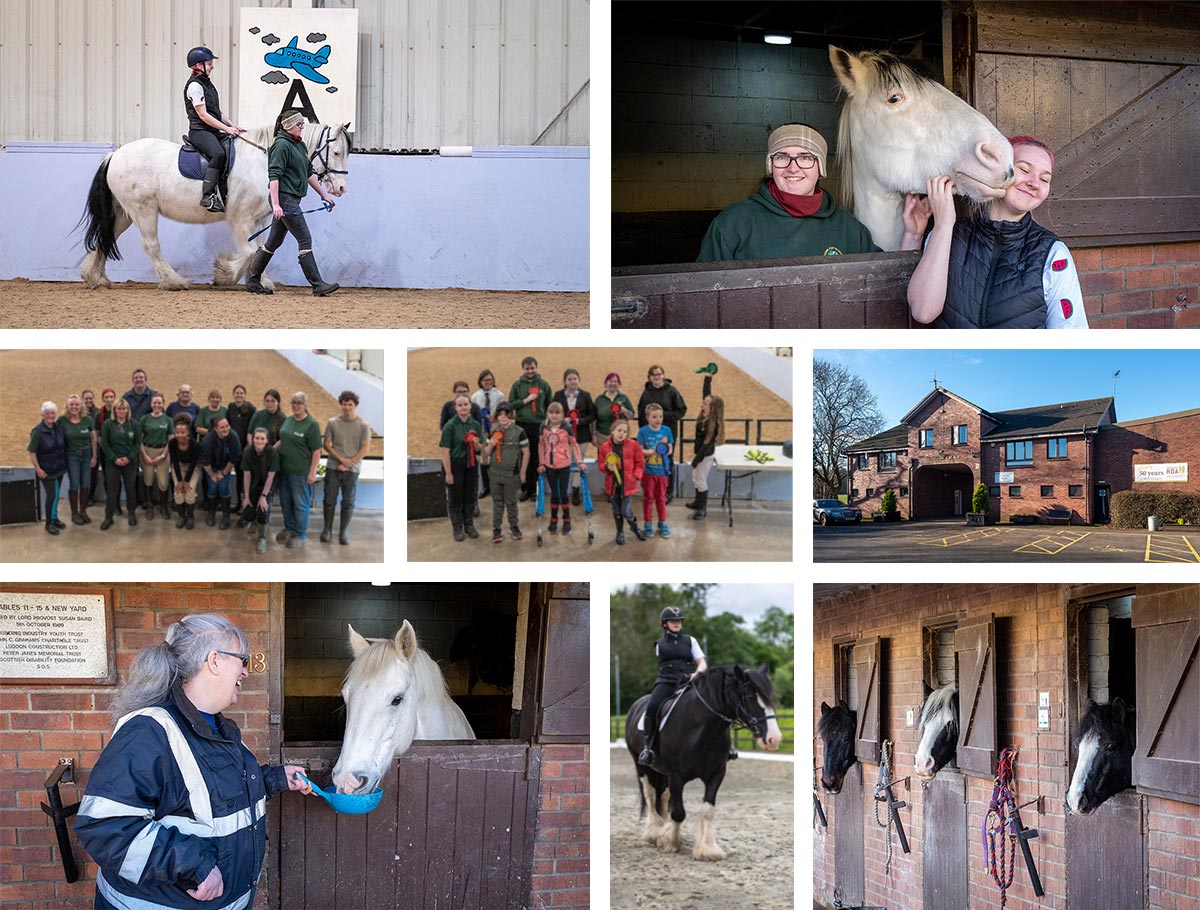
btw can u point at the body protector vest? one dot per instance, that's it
(995, 277)
(674, 658)
(211, 104)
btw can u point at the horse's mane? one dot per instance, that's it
(1110, 721)
(889, 71)
(940, 701)
(839, 717)
(265, 135)
(428, 681)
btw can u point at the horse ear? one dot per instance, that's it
(1119, 707)
(739, 672)
(765, 668)
(849, 69)
(406, 640)
(825, 709)
(358, 644)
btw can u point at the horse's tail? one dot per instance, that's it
(101, 216)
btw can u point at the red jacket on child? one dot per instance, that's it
(633, 466)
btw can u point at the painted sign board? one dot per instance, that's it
(297, 58)
(1160, 473)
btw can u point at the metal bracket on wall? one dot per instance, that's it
(60, 813)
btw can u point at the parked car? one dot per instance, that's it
(830, 511)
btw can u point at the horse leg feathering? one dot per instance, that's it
(706, 847)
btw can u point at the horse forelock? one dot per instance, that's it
(1102, 721)
(763, 686)
(374, 665)
(939, 705)
(838, 720)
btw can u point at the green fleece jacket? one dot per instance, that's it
(526, 413)
(760, 228)
(288, 163)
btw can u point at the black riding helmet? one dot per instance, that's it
(668, 614)
(200, 55)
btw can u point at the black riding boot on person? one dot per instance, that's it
(210, 193)
(701, 512)
(321, 288)
(258, 265)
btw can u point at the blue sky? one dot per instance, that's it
(1152, 382)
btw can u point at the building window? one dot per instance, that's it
(1047, 490)
(959, 436)
(864, 462)
(854, 493)
(1018, 452)
(927, 439)
(904, 491)
(1057, 447)
(994, 491)
(1014, 492)
(1075, 490)
(870, 492)
(887, 461)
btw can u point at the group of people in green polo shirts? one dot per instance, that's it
(225, 458)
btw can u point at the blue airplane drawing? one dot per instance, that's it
(303, 62)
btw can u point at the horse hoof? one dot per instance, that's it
(708, 856)
(667, 844)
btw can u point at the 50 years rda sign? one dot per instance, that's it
(1160, 473)
(62, 636)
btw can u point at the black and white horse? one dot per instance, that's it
(836, 729)
(1104, 741)
(938, 730)
(694, 743)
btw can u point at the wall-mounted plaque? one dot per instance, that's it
(57, 636)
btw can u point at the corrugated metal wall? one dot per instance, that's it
(431, 72)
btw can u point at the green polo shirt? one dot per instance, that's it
(454, 435)
(265, 419)
(207, 417)
(79, 435)
(120, 440)
(604, 415)
(156, 431)
(298, 439)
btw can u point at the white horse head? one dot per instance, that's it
(939, 732)
(328, 150)
(897, 130)
(394, 693)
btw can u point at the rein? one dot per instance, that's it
(743, 718)
(321, 153)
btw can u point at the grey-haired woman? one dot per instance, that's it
(176, 802)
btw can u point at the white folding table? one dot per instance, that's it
(732, 460)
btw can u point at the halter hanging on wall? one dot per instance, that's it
(999, 847)
(883, 794)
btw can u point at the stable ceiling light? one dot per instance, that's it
(777, 39)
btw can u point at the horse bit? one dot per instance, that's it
(321, 153)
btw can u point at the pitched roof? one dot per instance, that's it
(890, 439)
(1049, 419)
(939, 390)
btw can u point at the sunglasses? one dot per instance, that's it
(244, 658)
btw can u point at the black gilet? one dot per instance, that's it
(212, 104)
(995, 278)
(674, 657)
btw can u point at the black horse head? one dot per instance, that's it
(754, 704)
(938, 730)
(1104, 741)
(836, 729)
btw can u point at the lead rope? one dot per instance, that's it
(881, 795)
(1001, 814)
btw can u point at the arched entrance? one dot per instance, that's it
(942, 490)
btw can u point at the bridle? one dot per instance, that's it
(743, 717)
(321, 153)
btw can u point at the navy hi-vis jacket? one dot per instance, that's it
(168, 800)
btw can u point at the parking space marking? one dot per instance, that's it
(1160, 548)
(1053, 544)
(965, 537)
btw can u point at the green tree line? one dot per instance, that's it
(725, 638)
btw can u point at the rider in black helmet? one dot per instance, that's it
(206, 123)
(677, 655)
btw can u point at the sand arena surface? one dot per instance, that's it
(433, 371)
(28, 304)
(27, 378)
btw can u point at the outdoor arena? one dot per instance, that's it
(755, 828)
(30, 377)
(757, 412)
(463, 201)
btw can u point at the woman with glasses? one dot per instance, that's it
(791, 216)
(176, 801)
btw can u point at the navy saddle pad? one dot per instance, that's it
(192, 164)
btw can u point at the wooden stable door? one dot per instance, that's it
(849, 864)
(1106, 855)
(944, 861)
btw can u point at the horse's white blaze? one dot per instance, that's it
(774, 734)
(706, 847)
(1089, 748)
(936, 714)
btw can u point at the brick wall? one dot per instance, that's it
(1059, 473)
(1149, 286)
(40, 724)
(1030, 633)
(561, 876)
(1153, 441)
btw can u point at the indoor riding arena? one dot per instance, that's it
(31, 377)
(756, 386)
(1095, 686)
(453, 140)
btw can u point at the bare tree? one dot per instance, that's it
(844, 412)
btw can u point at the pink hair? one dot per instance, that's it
(610, 376)
(1029, 140)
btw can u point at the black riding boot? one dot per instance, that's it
(321, 288)
(257, 267)
(191, 517)
(224, 525)
(210, 196)
(620, 522)
(183, 513)
(647, 756)
(701, 506)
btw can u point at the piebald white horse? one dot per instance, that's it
(897, 130)
(141, 180)
(394, 693)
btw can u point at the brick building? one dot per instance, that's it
(881, 648)
(1064, 459)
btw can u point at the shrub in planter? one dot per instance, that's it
(888, 504)
(979, 499)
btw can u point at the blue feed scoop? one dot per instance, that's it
(346, 803)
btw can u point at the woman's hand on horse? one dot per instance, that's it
(211, 888)
(941, 199)
(916, 213)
